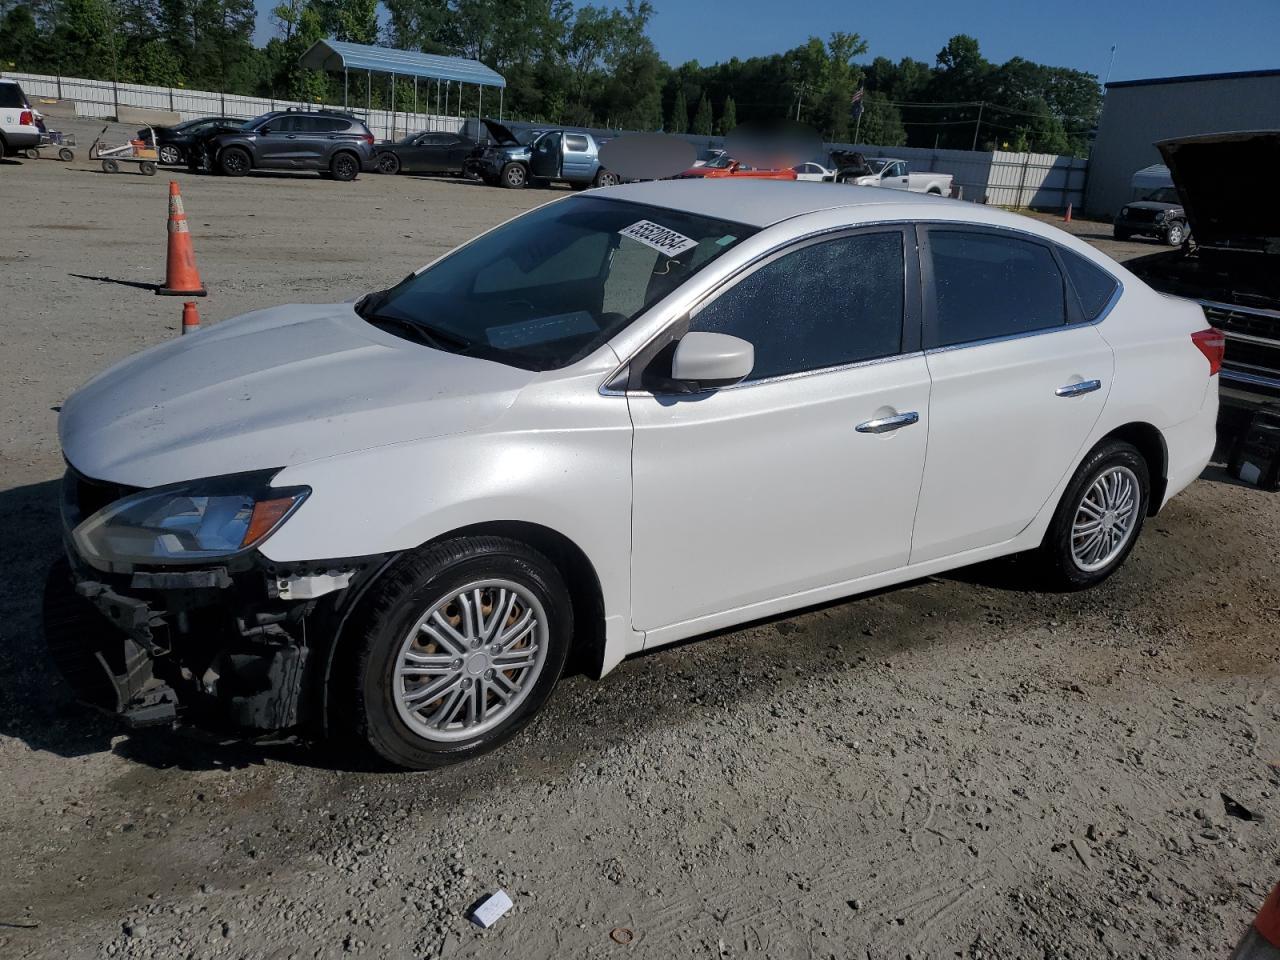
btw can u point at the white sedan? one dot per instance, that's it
(625, 418)
(813, 171)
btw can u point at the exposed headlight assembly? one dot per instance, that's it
(192, 522)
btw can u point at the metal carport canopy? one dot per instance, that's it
(339, 55)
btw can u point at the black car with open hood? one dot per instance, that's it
(1233, 269)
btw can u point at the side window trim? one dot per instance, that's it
(929, 314)
(679, 326)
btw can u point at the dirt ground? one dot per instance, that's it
(960, 767)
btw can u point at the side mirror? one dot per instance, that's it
(710, 360)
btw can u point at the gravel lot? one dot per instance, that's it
(957, 768)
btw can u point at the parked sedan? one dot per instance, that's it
(182, 143)
(815, 172)
(622, 419)
(726, 167)
(425, 153)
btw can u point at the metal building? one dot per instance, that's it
(1137, 113)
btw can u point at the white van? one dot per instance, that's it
(18, 130)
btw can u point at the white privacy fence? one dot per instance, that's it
(1041, 180)
(102, 98)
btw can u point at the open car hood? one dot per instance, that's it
(1221, 180)
(501, 134)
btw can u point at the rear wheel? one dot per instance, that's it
(388, 163)
(234, 162)
(606, 178)
(344, 167)
(110, 166)
(147, 168)
(460, 647)
(171, 155)
(66, 154)
(514, 176)
(1099, 518)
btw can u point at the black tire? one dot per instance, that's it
(344, 167)
(235, 161)
(1061, 570)
(388, 163)
(4, 148)
(170, 155)
(110, 166)
(1175, 234)
(66, 154)
(405, 594)
(1121, 234)
(606, 178)
(514, 176)
(147, 168)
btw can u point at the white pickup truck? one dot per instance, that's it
(887, 172)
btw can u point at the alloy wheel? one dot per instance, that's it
(170, 154)
(470, 661)
(1105, 519)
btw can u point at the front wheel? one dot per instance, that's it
(234, 162)
(514, 176)
(388, 163)
(1121, 234)
(110, 166)
(1099, 518)
(459, 648)
(1175, 233)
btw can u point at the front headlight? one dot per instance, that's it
(188, 522)
(1124, 212)
(1161, 215)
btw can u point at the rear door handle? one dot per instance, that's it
(1079, 389)
(886, 424)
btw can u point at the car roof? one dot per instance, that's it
(762, 203)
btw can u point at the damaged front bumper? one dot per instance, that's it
(241, 648)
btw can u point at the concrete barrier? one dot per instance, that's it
(155, 118)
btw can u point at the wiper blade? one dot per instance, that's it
(429, 336)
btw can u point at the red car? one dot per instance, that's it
(723, 166)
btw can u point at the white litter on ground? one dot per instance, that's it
(493, 907)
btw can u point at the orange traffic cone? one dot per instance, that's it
(181, 278)
(1262, 939)
(190, 318)
(1067, 218)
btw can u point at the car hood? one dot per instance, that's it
(500, 133)
(1217, 177)
(1152, 205)
(274, 388)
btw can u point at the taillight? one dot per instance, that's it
(1213, 345)
(26, 118)
(368, 138)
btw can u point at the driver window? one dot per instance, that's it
(827, 304)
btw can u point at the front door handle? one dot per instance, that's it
(886, 424)
(1079, 389)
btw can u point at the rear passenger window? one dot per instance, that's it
(573, 142)
(989, 286)
(830, 303)
(1094, 287)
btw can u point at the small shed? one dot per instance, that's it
(335, 55)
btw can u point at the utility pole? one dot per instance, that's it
(977, 125)
(1110, 64)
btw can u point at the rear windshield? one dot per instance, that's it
(553, 285)
(11, 95)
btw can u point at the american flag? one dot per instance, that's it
(855, 105)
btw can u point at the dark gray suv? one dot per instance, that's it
(336, 144)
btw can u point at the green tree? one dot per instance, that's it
(881, 123)
(728, 117)
(678, 121)
(704, 119)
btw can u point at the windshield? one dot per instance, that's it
(721, 162)
(1164, 195)
(554, 285)
(261, 118)
(877, 165)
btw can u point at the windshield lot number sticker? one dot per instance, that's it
(658, 237)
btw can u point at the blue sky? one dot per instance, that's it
(1153, 39)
